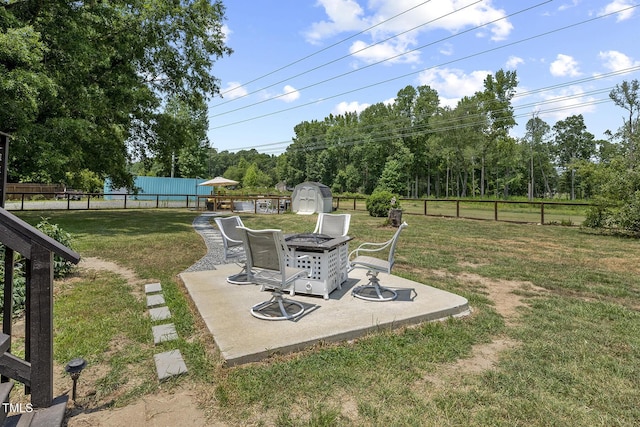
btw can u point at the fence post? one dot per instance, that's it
(457, 208)
(541, 213)
(425, 207)
(495, 210)
(354, 203)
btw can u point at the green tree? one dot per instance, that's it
(496, 98)
(254, 177)
(627, 95)
(91, 78)
(180, 143)
(539, 155)
(573, 143)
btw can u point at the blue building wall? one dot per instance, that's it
(150, 186)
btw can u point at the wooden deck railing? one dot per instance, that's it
(35, 371)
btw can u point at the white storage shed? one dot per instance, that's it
(311, 197)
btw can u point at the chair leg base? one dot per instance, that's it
(380, 293)
(266, 310)
(239, 279)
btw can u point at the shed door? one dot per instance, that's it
(308, 199)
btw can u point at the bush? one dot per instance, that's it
(628, 217)
(379, 203)
(60, 267)
(598, 216)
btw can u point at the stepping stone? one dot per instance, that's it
(152, 288)
(169, 363)
(154, 300)
(162, 333)
(159, 313)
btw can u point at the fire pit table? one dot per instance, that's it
(326, 261)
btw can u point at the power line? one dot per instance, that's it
(341, 58)
(420, 130)
(526, 39)
(378, 62)
(316, 53)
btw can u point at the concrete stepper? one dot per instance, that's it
(159, 313)
(162, 333)
(152, 288)
(155, 300)
(169, 363)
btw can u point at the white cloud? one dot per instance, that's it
(453, 84)
(513, 62)
(617, 61)
(565, 102)
(448, 15)
(344, 15)
(349, 107)
(289, 94)
(566, 6)
(233, 90)
(447, 49)
(226, 32)
(392, 50)
(617, 5)
(564, 65)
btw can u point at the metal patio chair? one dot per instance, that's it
(333, 225)
(233, 246)
(266, 254)
(372, 291)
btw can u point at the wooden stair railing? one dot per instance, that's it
(35, 371)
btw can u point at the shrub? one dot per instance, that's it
(379, 203)
(60, 267)
(19, 286)
(629, 215)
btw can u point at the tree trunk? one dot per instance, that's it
(482, 178)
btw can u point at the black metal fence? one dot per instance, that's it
(541, 212)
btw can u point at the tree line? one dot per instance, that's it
(90, 90)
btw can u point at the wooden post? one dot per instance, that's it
(395, 217)
(7, 313)
(4, 161)
(542, 213)
(41, 326)
(495, 211)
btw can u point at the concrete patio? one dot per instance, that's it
(241, 338)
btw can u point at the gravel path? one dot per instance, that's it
(213, 240)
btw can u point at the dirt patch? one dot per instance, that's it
(182, 404)
(484, 357)
(177, 407)
(97, 264)
(507, 296)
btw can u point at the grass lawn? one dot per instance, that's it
(564, 303)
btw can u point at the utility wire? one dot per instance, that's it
(343, 57)
(381, 61)
(553, 100)
(318, 52)
(526, 39)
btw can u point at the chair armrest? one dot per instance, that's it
(370, 247)
(302, 257)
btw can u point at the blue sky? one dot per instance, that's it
(297, 60)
